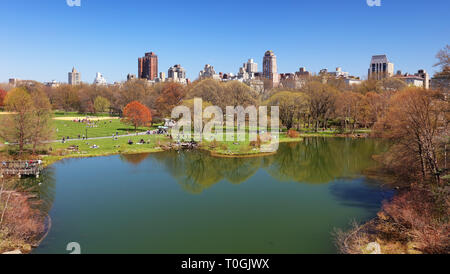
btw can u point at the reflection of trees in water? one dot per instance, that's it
(197, 170)
(321, 160)
(134, 159)
(238, 170)
(43, 187)
(316, 161)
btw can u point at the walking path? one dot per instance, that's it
(103, 137)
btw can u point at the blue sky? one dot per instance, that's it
(43, 39)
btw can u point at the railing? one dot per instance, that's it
(20, 168)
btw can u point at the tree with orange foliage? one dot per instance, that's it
(137, 115)
(2, 97)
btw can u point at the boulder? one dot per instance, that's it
(373, 248)
(15, 252)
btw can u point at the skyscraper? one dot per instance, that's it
(74, 77)
(380, 67)
(251, 67)
(270, 66)
(148, 66)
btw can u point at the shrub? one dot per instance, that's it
(213, 144)
(223, 147)
(293, 134)
(244, 149)
(423, 216)
(22, 221)
(257, 143)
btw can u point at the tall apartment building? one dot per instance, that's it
(148, 66)
(176, 72)
(74, 77)
(380, 67)
(250, 67)
(270, 65)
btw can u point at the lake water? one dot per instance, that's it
(190, 202)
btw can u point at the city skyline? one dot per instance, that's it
(311, 35)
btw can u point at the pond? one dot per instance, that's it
(190, 202)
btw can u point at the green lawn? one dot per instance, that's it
(106, 147)
(102, 128)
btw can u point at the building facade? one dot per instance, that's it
(176, 72)
(74, 77)
(302, 72)
(270, 70)
(419, 79)
(251, 67)
(209, 72)
(148, 66)
(380, 67)
(99, 79)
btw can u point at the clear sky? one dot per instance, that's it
(43, 39)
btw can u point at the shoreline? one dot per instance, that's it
(48, 160)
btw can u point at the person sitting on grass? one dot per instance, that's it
(130, 142)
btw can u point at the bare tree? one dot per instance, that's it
(42, 116)
(17, 127)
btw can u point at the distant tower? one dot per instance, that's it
(148, 66)
(270, 66)
(74, 77)
(251, 66)
(380, 67)
(99, 79)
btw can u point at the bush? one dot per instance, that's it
(214, 144)
(257, 143)
(293, 134)
(223, 147)
(22, 222)
(244, 149)
(423, 216)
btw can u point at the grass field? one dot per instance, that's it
(109, 146)
(102, 128)
(105, 147)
